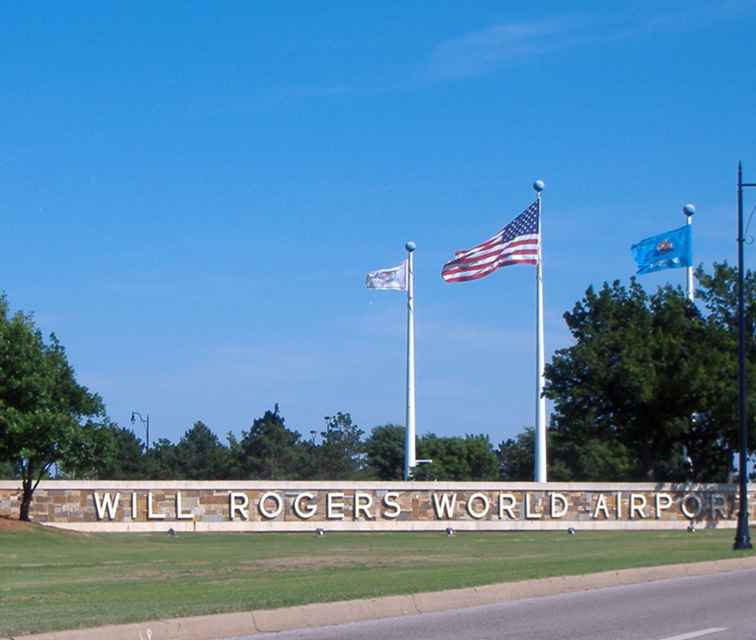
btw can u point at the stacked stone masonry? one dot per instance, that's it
(303, 506)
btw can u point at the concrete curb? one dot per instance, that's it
(229, 625)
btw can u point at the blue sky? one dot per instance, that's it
(191, 193)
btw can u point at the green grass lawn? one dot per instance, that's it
(56, 580)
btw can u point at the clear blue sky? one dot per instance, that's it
(191, 193)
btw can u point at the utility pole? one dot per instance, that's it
(742, 536)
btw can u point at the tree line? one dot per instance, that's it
(270, 450)
(646, 392)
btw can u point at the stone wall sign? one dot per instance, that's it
(371, 506)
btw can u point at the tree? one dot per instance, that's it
(234, 458)
(270, 451)
(719, 293)
(129, 461)
(454, 458)
(719, 419)
(481, 458)
(92, 448)
(42, 407)
(200, 455)
(7, 472)
(594, 459)
(648, 378)
(385, 451)
(161, 461)
(516, 456)
(340, 453)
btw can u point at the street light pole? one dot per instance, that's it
(144, 421)
(742, 536)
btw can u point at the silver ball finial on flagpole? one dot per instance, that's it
(410, 246)
(688, 210)
(538, 185)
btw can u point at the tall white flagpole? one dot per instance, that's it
(688, 211)
(409, 436)
(540, 436)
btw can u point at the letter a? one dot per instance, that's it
(601, 507)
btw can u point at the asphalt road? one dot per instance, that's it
(720, 607)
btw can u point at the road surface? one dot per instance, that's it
(719, 607)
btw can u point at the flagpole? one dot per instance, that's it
(409, 436)
(540, 435)
(688, 211)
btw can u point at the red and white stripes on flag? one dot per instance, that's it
(517, 243)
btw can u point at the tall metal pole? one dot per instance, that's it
(540, 440)
(742, 536)
(409, 436)
(688, 211)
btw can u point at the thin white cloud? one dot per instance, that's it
(479, 52)
(482, 51)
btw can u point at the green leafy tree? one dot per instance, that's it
(269, 450)
(471, 458)
(92, 448)
(161, 461)
(129, 460)
(446, 458)
(43, 409)
(717, 420)
(598, 459)
(516, 456)
(200, 455)
(481, 458)
(385, 452)
(719, 292)
(648, 378)
(7, 472)
(339, 456)
(234, 457)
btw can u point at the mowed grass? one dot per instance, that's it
(56, 580)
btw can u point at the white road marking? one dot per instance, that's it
(696, 634)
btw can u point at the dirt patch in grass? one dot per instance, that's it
(319, 562)
(14, 525)
(11, 524)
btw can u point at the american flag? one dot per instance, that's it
(517, 243)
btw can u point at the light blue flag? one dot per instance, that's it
(668, 250)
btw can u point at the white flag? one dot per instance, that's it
(391, 279)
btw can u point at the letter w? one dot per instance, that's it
(106, 504)
(444, 507)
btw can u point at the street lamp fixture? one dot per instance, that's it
(742, 536)
(144, 421)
